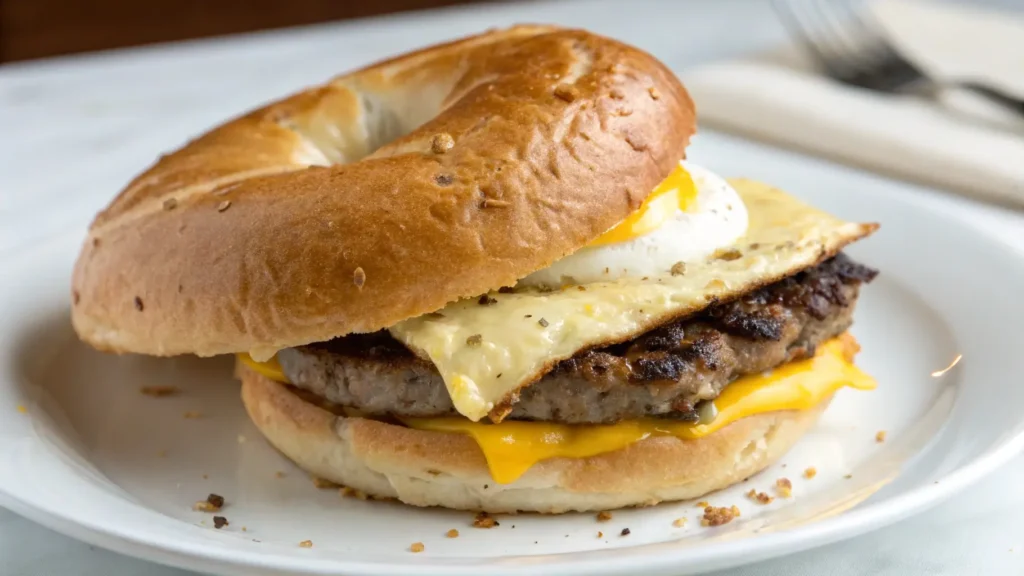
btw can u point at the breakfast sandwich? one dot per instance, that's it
(484, 276)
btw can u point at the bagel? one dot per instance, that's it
(427, 468)
(496, 155)
(482, 276)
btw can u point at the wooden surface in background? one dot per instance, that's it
(39, 28)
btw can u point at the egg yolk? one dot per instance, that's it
(677, 192)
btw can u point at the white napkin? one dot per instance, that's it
(958, 142)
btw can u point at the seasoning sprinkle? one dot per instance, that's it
(494, 203)
(655, 95)
(359, 277)
(475, 340)
(567, 92)
(625, 532)
(138, 304)
(170, 203)
(486, 300)
(678, 269)
(223, 205)
(604, 516)
(442, 143)
(220, 522)
(306, 544)
(544, 323)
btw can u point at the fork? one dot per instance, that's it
(850, 48)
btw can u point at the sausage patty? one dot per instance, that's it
(665, 372)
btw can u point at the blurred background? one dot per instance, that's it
(39, 28)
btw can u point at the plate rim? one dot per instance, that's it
(854, 522)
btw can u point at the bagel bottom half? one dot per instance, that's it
(428, 468)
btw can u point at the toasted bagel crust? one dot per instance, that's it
(427, 468)
(381, 195)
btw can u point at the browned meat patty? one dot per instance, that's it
(663, 373)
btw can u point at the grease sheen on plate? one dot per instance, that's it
(94, 458)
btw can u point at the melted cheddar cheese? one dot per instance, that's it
(271, 368)
(511, 447)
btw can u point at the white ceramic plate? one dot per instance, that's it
(93, 458)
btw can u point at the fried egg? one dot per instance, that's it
(692, 214)
(486, 353)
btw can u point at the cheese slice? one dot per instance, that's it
(486, 351)
(512, 447)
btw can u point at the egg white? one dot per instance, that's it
(716, 220)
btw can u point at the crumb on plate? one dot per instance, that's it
(351, 492)
(213, 503)
(760, 497)
(717, 516)
(324, 483)
(484, 520)
(811, 472)
(159, 391)
(784, 487)
(416, 547)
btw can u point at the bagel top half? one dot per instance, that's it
(382, 195)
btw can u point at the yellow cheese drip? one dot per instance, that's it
(511, 447)
(271, 368)
(676, 192)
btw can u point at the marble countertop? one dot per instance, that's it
(75, 129)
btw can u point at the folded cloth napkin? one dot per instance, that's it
(956, 141)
